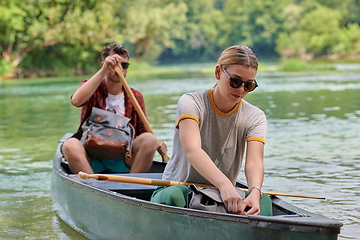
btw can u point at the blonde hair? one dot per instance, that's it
(238, 55)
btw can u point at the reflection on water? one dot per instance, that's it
(312, 145)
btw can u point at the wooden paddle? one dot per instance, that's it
(157, 182)
(137, 106)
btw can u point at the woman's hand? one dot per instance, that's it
(252, 201)
(232, 200)
(235, 205)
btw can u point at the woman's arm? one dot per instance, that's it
(254, 172)
(191, 142)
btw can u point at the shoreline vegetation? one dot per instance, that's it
(143, 68)
(62, 38)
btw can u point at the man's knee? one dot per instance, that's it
(70, 145)
(148, 140)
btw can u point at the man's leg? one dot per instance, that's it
(74, 152)
(143, 151)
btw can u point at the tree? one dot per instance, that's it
(27, 25)
(349, 41)
(349, 9)
(255, 23)
(319, 30)
(201, 32)
(315, 33)
(152, 25)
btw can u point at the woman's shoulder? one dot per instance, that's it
(193, 96)
(250, 107)
(197, 93)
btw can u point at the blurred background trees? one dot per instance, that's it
(64, 37)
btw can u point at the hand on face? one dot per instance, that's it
(109, 64)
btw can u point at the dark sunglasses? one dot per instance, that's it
(125, 65)
(249, 86)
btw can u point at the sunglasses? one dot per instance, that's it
(249, 86)
(125, 65)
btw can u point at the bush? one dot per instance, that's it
(5, 67)
(294, 65)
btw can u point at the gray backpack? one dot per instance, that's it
(107, 135)
(207, 199)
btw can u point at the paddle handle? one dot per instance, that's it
(167, 183)
(136, 105)
(135, 180)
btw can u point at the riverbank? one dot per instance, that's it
(142, 68)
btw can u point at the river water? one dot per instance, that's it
(312, 144)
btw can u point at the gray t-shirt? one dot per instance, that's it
(223, 135)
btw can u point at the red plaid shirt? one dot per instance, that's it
(98, 99)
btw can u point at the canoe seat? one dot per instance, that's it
(139, 191)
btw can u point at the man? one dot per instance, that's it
(104, 90)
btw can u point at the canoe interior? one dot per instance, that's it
(144, 192)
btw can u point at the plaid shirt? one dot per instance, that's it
(98, 99)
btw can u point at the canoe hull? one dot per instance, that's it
(95, 210)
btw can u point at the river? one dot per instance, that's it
(312, 142)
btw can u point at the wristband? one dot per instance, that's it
(255, 187)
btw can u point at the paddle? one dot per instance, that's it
(157, 182)
(137, 106)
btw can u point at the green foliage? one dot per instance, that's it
(65, 36)
(5, 67)
(203, 30)
(296, 65)
(319, 30)
(255, 23)
(318, 33)
(64, 60)
(31, 25)
(152, 26)
(140, 67)
(349, 8)
(349, 41)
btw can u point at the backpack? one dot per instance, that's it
(207, 199)
(107, 135)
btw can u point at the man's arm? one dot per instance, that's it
(84, 92)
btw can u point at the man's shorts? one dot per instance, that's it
(109, 166)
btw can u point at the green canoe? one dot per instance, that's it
(112, 210)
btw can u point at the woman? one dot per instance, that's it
(213, 129)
